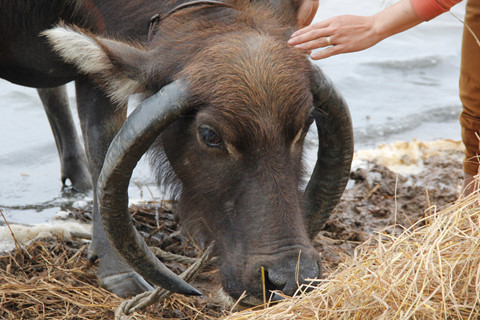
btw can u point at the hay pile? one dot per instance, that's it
(430, 271)
(50, 279)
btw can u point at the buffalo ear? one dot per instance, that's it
(116, 66)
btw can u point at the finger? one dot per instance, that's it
(307, 52)
(302, 31)
(314, 44)
(327, 52)
(310, 36)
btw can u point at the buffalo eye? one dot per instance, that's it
(210, 137)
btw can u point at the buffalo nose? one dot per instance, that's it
(288, 277)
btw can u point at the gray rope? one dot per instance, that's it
(145, 299)
(168, 256)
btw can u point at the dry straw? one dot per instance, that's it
(49, 279)
(50, 282)
(430, 271)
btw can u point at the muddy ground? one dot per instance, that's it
(376, 199)
(381, 199)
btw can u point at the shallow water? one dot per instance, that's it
(404, 88)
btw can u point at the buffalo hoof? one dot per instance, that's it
(78, 175)
(125, 284)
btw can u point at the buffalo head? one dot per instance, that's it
(226, 130)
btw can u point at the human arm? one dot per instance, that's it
(349, 33)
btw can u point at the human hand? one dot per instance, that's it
(344, 34)
(337, 35)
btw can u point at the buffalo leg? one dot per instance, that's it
(100, 121)
(73, 161)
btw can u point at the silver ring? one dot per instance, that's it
(329, 41)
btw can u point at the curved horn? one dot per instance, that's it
(134, 138)
(335, 152)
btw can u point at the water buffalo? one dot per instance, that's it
(227, 104)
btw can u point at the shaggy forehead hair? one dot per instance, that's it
(253, 77)
(254, 86)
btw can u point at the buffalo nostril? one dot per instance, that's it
(269, 287)
(288, 278)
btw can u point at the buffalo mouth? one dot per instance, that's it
(266, 281)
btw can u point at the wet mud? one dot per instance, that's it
(382, 200)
